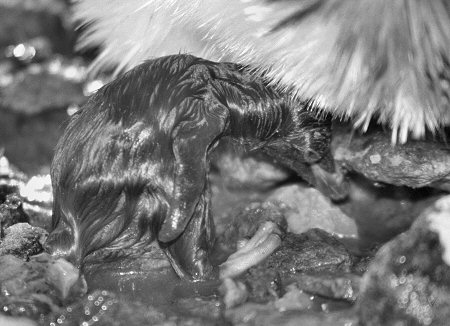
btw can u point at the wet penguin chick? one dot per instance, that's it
(132, 165)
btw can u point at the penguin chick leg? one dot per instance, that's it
(263, 243)
(192, 142)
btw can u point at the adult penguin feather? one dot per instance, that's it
(359, 59)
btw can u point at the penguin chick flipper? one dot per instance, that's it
(192, 140)
(186, 233)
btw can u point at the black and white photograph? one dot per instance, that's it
(224, 162)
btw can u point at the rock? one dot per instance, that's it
(262, 284)
(414, 164)
(294, 299)
(305, 208)
(315, 252)
(33, 289)
(408, 282)
(312, 251)
(11, 212)
(332, 286)
(23, 240)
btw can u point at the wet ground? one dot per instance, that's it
(314, 278)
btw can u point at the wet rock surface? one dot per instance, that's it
(305, 208)
(414, 164)
(310, 279)
(408, 282)
(312, 251)
(330, 285)
(262, 284)
(34, 289)
(22, 240)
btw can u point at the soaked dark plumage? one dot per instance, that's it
(132, 164)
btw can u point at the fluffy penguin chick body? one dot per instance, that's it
(360, 59)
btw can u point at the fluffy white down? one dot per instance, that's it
(359, 59)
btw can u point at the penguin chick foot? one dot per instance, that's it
(264, 242)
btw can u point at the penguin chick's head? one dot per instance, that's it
(363, 60)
